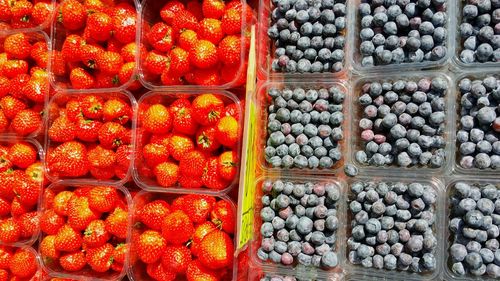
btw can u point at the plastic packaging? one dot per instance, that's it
(137, 270)
(26, 21)
(53, 268)
(166, 98)
(60, 100)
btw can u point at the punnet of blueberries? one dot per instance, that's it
(304, 127)
(478, 132)
(480, 31)
(402, 31)
(392, 226)
(299, 223)
(474, 225)
(403, 123)
(308, 36)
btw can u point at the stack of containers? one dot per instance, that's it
(398, 153)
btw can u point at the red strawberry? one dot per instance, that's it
(154, 154)
(69, 160)
(213, 8)
(197, 271)
(200, 232)
(61, 202)
(17, 209)
(36, 89)
(183, 122)
(228, 131)
(11, 106)
(72, 15)
(100, 26)
(157, 272)
(109, 62)
(26, 122)
(112, 135)
(41, 13)
(177, 228)
(51, 222)
(79, 213)
(120, 253)
(36, 174)
(4, 123)
(89, 55)
(155, 62)
(153, 213)
(12, 68)
(22, 154)
(4, 207)
(197, 207)
(169, 78)
(101, 158)
(216, 250)
(232, 20)
(124, 155)
(179, 104)
(150, 246)
(4, 86)
(29, 224)
(23, 264)
(167, 174)
(176, 259)
(211, 177)
(5, 256)
(73, 262)
(187, 39)
(10, 231)
(179, 145)
(39, 53)
(192, 163)
(206, 139)
(227, 165)
(28, 192)
(67, 239)
(234, 110)
(211, 30)
(179, 61)
(103, 199)
(17, 46)
(203, 54)
(157, 119)
(96, 234)
(71, 48)
(87, 130)
(81, 79)
(62, 130)
(131, 50)
(125, 27)
(207, 109)
(223, 215)
(73, 110)
(100, 258)
(117, 223)
(184, 19)
(126, 74)
(230, 50)
(47, 248)
(161, 37)
(169, 11)
(102, 173)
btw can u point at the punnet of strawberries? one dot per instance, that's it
(85, 230)
(195, 42)
(24, 85)
(188, 142)
(18, 263)
(22, 14)
(187, 237)
(89, 136)
(22, 180)
(95, 45)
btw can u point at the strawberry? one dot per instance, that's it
(102, 173)
(109, 62)
(41, 13)
(169, 11)
(197, 271)
(61, 202)
(153, 213)
(62, 130)
(179, 104)
(154, 154)
(95, 234)
(29, 223)
(87, 130)
(73, 110)
(79, 213)
(199, 233)
(213, 8)
(90, 54)
(192, 163)
(187, 39)
(117, 223)
(17, 46)
(120, 253)
(184, 19)
(176, 259)
(227, 165)
(23, 264)
(228, 131)
(4, 86)
(11, 106)
(206, 139)
(177, 228)
(100, 258)
(211, 177)
(28, 193)
(131, 50)
(73, 262)
(167, 174)
(26, 122)
(183, 121)
(67, 239)
(39, 53)
(179, 61)
(179, 145)
(211, 30)
(51, 222)
(157, 119)
(17, 209)
(150, 246)
(207, 109)
(4, 207)
(12, 68)
(124, 155)
(22, 154)
(100, 26)
(10, 231)
(216, 250)
(112, 135)
(5, 163)
(4, 275)
(155, 62)
(36, 89)
(17, 85)
(197, 207)
(223, 215)
(101, 158)
(81, 79)
(47, 248)
(126, 74)
(234, 110)
(103, 199)
(169, 78)
(157, 272)
(72, 15)
(69, 160)
(5, 256)
(36, 174)
(232, 21)
(125, 26)
(161, 37)
(58, 65)
(229, 50)
(203, 54)
(4, 123)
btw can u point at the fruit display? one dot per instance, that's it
(85, 231)
(24, 85)
(19, 263)
(195, 42)
(25, 14)
(188, 141)
(90, 136)
(188, 237)
(95, 45)
(22, 178)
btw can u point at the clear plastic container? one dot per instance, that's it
(60, 70)
(8, 141)
(265, 48)
(150, 16)
(38, 106)
(355, 56)
(356, 143)
(59, 101)
(298, 270)
(54, 269)
(263, 100)
(25, 22)
(167, 98)
(455, 122)
(136, 269)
